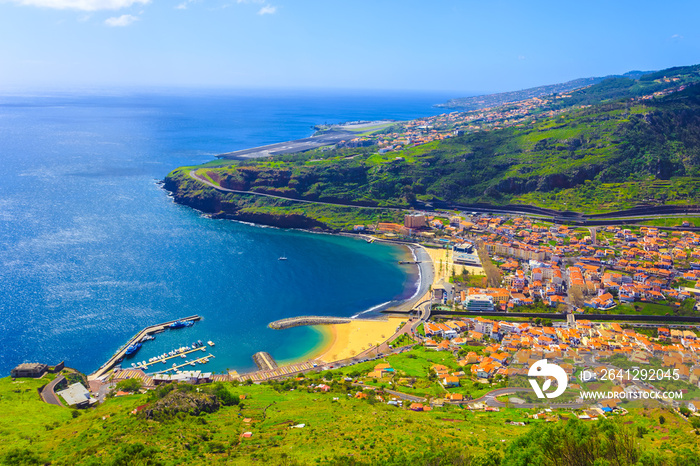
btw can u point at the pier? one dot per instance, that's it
(264, 361)
(121, 352)
(202, 360)
(307, 320)
(161, 361)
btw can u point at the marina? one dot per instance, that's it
(163, 360)
(175, 368)
(137, 339)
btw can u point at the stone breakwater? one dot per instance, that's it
(307, 320)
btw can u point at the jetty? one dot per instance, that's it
(165, 359)
(264, 361)
(175, 368)
(121, 352)
(307, 320)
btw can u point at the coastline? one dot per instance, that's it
(426, 279)
(342, 341)
(347, 340)
(328, 339)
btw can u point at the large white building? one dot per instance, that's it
(479, 302)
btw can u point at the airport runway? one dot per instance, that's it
(291, 147)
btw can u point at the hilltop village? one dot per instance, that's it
(420, 131)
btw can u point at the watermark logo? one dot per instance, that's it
(544, 369)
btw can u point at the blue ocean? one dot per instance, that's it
(92, 249)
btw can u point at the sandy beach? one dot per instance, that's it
(349, 340)
(343, 341)
(443, 265)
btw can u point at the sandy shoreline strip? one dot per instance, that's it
(349, 340)
(343, 341)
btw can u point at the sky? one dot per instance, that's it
(462, 46)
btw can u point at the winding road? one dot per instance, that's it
(255, 193)
(49, 395)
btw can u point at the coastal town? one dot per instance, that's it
(279, 233)
(506, 292)
(404, 134)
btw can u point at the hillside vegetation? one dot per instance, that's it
(183, 424)
(617, 145)
(502, 98)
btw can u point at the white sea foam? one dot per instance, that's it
(420, 275)
(373, 308)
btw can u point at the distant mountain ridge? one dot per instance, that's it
(502, 98)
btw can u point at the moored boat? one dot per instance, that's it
(133, 349)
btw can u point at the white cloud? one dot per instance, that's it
(677, 37)
(83, 5)
(267, 10)
(183, 5)
(121, 21)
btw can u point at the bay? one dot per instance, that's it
(92, 249)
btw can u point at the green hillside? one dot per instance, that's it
(182, 424)
(617, 144)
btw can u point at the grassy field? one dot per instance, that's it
(673, 222)
(596, 197)
(363, 430)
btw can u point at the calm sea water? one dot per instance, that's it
(92, 249)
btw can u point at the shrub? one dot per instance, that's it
(129, 385)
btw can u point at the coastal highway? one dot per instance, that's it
(291, 147)
(254, 193)
(579, 219)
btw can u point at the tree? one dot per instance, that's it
(695, 422)
(493, 273)
(129, 385)
(225, 397)
(575, 443)
(576, 296)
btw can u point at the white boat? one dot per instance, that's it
(210, 343)
(282, 258)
